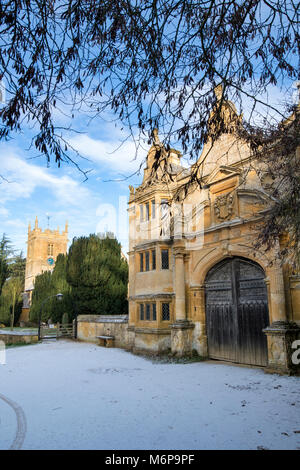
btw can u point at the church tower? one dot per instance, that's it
(43, 247)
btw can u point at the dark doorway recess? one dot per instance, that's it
(237, 311)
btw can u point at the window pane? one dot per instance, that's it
(154, 312)
(153, 259)
(147, 311)
(141, 262)
(147, 211)
(165, 312)
(153, 209)
(141, 311)
(147, 261)
(141, 212)
(165, 259)
(164, 219)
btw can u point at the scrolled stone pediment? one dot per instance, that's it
(253, 194)
(221, 173)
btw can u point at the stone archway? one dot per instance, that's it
(236, 307)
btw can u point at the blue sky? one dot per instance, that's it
(97, 204)
(33, 189)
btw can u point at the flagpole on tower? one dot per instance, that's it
(48, 218)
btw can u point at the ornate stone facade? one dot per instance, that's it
(173, 248)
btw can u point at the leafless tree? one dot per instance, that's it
(153, 63)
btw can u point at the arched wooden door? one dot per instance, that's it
(236, 312)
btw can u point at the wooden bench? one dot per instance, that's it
(106, 341)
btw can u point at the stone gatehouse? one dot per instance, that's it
(196, 283)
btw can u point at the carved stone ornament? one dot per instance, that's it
(224, 207)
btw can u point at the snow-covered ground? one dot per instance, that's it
(67, 395)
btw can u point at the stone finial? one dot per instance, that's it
(156, 140)
(36, 224)
(298, 88)
(218, 90)
(224, 117)
(298, 94)
(29, 227)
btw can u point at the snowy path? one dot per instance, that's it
(81, 396)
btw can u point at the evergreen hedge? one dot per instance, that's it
(93, 279)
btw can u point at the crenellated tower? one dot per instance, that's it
(43, 247)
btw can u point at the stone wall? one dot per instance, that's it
(295, 298)
(91, 326)
(156, 340)
(16, 337)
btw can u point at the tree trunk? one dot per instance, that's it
(12, 318)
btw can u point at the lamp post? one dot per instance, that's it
(75, 313)
(74, 305)
(59, 296)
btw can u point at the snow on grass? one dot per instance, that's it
(81, 396)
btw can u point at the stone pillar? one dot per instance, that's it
(180, 307)
(281, 337)
(277, 294)
(203, 337)
(282, 333)
(181, 330)
(197, 301)
(130, 338)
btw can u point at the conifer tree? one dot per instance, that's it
(93, 279)
(5, 252)
(3, 273)
(15, 286)
(12, 275)
(43, 288)
(98, 275)
(63, 308)
(47, 285)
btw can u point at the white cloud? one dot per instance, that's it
(120, 159)
(17, 223)
(24, 178)
(32, 190)
(4, 212)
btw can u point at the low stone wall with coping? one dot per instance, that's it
(16, 337)
(91, 326)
